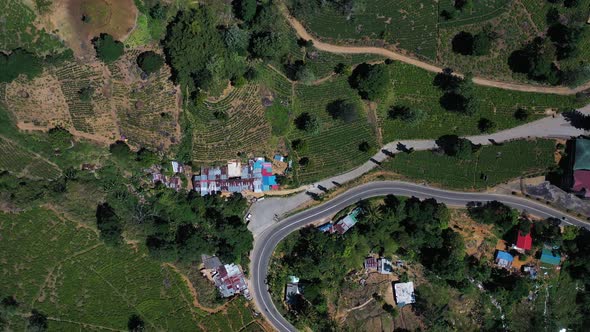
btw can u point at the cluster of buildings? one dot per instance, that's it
(174, 181)
(380, 265)
(343, 225)
(549, 259)
(255, 176)
(228, 278)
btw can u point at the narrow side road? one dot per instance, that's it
(267, 241)
(303, 33)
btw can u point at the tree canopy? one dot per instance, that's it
(454, 146)
(371, 81)
(107, 48)
(344, 110)
(308, 122)
(150, 62)
(19, 62)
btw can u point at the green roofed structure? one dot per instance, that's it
(582, 161)
(550, 257)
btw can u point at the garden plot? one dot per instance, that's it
(235, 124)
(39, 102)
(147, 110)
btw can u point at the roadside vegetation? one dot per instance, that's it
(478, 167)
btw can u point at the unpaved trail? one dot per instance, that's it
(303, 33)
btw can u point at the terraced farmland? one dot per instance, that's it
(18, 160)
(244, 130)
(476, 12)
(81, 284)
(335, 148)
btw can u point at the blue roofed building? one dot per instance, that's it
(504, 259)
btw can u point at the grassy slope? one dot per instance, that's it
(70, 275)
(499, 163)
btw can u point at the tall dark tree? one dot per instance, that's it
(37, 321)
(135, 323)
(454, 146)
(150, 62)
(463, 43)
(107, 48)
(344, 110)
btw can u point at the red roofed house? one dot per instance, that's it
(524, 242)
(582, 182)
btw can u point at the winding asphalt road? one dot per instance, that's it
(270, 238)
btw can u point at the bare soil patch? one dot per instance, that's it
(78, 21)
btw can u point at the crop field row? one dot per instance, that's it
(410, 25)
(16, 159)
(244, 130)
(76, 280)
(335, 148)
(17, 29)
(413, 87)
(476, 12)
(73, 78)
(489, 166)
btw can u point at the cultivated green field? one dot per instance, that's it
(475, 12)
(335, 148)
(66, 272)
(413, 87)
(498, 163)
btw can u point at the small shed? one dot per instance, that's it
(370, 264)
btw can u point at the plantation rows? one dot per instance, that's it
(74, 77)
(245, 129)
(413, 87)
(16, 159)
(146, 110)
(275, 82)
(335, 151)
(411, 26)
(477, 12)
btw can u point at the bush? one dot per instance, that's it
(298, 145)
(245, 9)
(85, 93)
(59, 138)
(454, 146)
(158, 11)
(485, 125)
(307, 122)
(482, 44)
(150, 62)
(19, 62)
(521, 114)
(108, 49)
(463, 43)
(344, 110)
(37, 321)
(364, 146)
(304, 161)
(411, 116)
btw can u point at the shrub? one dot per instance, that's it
(485, 125)
(108, 49)
(521, 114)
(463, 43)
(364, 146)
(85, 93)
(307, 122)
(344, 110)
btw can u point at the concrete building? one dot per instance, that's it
(404, 293)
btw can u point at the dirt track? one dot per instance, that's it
(302, 33)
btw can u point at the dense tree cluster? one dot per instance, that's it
(108, 224)
(308, 122)
(107, 48)
(19, 62)
(459, 95)
(187, 226)
(539, 59)
(455, 146)
(371, 81)
(204, 55)
(467, 44)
